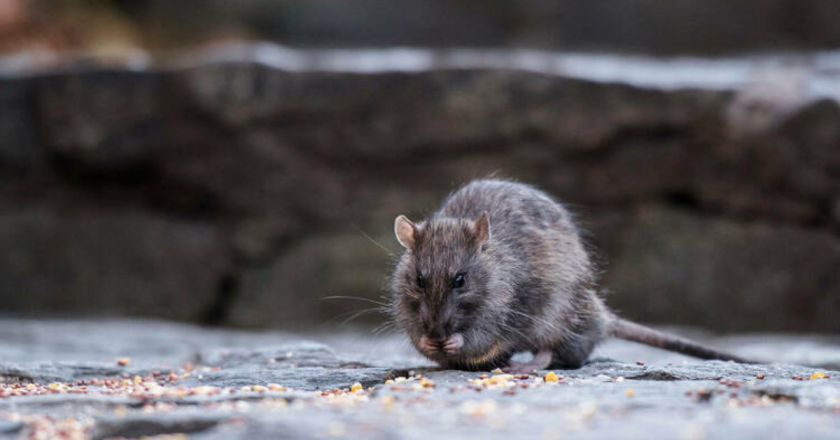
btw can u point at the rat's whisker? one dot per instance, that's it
(357, 298)
(379, 245)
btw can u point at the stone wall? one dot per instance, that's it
(639, 26)
(244, 189)
(706, 27)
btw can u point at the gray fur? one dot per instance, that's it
(529, 287)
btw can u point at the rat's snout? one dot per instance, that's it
(449, 345)
(438, 334)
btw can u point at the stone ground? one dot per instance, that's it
(62, 378)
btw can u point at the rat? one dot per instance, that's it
(501, 268)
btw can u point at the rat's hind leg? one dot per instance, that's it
(569, 356)
(541, 361)
(573, 352)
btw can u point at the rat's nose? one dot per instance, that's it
(440, 331)
(437, 333)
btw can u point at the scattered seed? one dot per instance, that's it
(704, 395)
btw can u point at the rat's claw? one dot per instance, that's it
(427, 346)
(453, 343)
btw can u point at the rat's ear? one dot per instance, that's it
(482, 228)
(406, 232)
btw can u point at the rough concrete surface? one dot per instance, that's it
(626, 391)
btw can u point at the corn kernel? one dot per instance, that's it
(356, 387)
(629, 392)
(551, 377)
(818, 375)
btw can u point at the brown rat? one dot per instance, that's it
(499, 269)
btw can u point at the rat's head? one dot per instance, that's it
(443, 290)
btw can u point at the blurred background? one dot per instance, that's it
(235, 163)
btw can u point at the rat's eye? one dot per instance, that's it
(421, 283)
(459, 280)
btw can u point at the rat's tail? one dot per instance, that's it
(623, 329)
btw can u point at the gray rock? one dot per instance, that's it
(66, 405)
(57, 371)
(576, 25)
(7, 427)
(98, 260)
(145, 426)
(88, 133)
(301, 366)
(299, 354)
(20, 150)
(666, 396)
(237, 186)
(692, 271)
(354, 264)
(303, 378)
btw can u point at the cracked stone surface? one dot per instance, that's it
(626, 391)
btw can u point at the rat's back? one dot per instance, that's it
(532, 274)
(520, 215)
